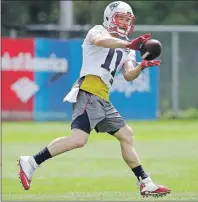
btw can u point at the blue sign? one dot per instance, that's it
(52, 59)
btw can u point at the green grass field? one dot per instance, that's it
(168, 149)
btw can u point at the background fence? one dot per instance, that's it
(179, 68)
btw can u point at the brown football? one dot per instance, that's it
(151, 49)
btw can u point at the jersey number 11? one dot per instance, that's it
(109, 58)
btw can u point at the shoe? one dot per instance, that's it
(27, 166)
(149, 188)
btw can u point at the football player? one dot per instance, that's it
(106, 50)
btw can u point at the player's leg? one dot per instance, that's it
(126, 139)
(79, 135)
(28, 164)
(60, 145)
(86, 113)
(115, 125)
(147, 186)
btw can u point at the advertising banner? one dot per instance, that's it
(30, 90)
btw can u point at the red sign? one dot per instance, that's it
(15, 80)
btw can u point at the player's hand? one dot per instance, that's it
(136, 43)
(150, 63)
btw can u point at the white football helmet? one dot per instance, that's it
(111, 12)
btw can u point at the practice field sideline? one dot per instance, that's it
(168, 149)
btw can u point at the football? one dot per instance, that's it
(151, 49)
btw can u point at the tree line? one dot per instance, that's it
(91, 12)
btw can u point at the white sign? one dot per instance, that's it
(24, 88)
(25, 62)
(140, 84)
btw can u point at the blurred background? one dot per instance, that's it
(41, 59)
(174, 23)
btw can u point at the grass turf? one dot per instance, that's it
(168, 150)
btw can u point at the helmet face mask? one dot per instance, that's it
(119, 19)
(123, 24)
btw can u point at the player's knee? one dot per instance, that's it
(126, 135)
(80, 138)
(80, 142)
(129, 135)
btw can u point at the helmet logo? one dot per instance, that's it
(114, 5)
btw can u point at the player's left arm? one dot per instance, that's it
(130, 72)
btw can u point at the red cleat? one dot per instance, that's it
(149, 188)
(27, 168)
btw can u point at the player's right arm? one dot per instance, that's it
(104, 39)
